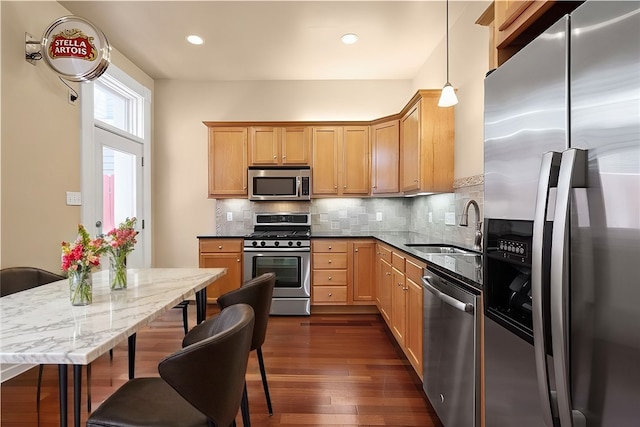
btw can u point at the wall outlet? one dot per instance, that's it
(74, 198)
(450, 218)
(72, 97)
(430, 217)
(229, 216)
(378, 216)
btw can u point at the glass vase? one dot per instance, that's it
(81, 287)
(118, 271)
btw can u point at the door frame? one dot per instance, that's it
(88, 152)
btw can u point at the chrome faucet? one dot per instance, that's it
(464, 221)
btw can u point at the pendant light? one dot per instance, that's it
(448, 96)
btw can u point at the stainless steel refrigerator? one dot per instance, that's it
(562, 225)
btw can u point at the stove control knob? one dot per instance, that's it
(290, 243)
(263, 243)
(276, 243)
(254, 243)
(298, 243)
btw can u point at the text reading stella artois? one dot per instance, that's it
(72, 44)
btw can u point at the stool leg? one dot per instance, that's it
(265, 386)
(244, 407)
(185, 317)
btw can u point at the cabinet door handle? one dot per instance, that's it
(356, 249)
(415, 180)
(238, 260)
(275, 157)
(388, 274)
(345, 186)
(284, 157)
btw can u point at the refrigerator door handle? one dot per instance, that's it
(572, 174)
(548, 179)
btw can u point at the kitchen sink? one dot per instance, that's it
(439, 249)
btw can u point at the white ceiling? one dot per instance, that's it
(269, 40)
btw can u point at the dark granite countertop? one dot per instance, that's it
(466, 268)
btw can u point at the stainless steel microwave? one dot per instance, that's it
(279, 183)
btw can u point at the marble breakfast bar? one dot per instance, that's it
(40, 326)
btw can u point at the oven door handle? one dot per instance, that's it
(279, 249)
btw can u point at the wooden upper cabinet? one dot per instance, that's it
(341, 159)
(410, 149)
(295, 143)
(385, 157)
(273, 146)
(356, 155)
(264, 146)
(227, 162)
(325, 143)
(512, 17)
(514, 23)
(426, 145)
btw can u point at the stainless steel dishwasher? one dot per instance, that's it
(451, 371)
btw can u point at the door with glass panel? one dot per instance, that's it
(118, 185)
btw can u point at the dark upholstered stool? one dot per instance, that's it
(200, 385)
(256, 292)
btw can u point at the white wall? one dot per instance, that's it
(40, 142)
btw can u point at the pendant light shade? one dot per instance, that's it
(448, 96)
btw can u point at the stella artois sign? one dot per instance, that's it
(76, 49)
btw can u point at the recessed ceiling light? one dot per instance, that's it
(193, 39)
(349, 38)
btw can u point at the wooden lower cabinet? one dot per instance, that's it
(328, 272)
(362, 272)
(383, 281)
(222, 253)
(414, 306)
(399, 299)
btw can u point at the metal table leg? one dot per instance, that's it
(201, 305)
(62, 390)
(132, 356)
(77, 391)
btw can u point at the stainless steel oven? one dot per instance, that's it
(281, 244)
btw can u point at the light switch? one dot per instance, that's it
(74, 198)
(229, 216)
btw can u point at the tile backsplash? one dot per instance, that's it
(343, 216)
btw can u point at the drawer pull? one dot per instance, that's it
(330, 248)
(219, 246)
(330, 277)
(330, 261)
(330, 294)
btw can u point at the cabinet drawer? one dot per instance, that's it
(220, 245)
(414, 270)
(332, 294)
(330, 261)
(329, 277)
(397, 261)
(329, 246)
(385, 253)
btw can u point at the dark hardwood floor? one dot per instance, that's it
(323, 370)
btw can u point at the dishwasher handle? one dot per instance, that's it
(458, 305)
